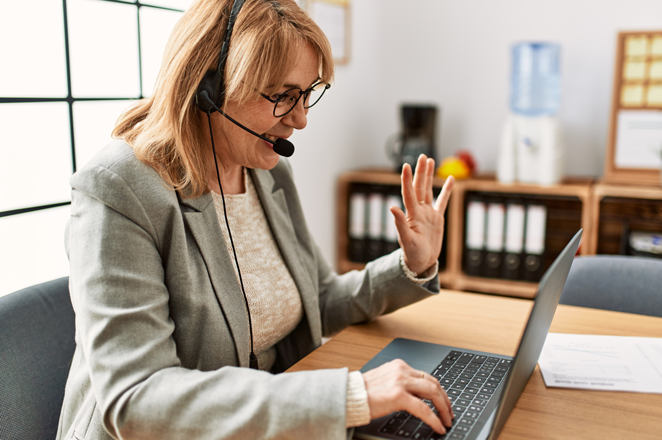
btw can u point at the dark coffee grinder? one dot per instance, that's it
(417, 136)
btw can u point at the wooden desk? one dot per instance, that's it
(541, 412)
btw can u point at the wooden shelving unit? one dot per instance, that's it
(576, 188)
(585, 193)
(369, 176)
(619, 207)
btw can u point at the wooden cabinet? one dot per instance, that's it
(605, 212)
(619, 210)
(378, 177)
(568, 210)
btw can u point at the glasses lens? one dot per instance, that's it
(285, 102)
(315, 95)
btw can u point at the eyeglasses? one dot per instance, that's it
(286, 101)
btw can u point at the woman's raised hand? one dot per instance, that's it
(395, 386)
(421, 229)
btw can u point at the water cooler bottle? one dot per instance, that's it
(531, 149)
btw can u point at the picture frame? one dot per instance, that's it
(634, 149)
(334, 17)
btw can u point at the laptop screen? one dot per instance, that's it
(535, 333)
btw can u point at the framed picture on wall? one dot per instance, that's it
(634, 151)
(334, 17)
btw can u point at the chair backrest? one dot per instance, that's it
(616, 282)
(36, 348)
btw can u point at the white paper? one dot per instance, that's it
(614, 363)
(639, 139)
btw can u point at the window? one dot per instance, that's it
(61, 91)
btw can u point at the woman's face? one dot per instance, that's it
(236, 146)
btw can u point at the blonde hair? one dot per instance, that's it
(165, 130)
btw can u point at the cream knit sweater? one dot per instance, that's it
(273, 298)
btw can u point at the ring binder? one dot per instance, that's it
(375, 223)
(514, 240)
(475, 236)
(494, 239)
(390, 238)
(357, 224)
(536, 218)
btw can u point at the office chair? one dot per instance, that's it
(36, 348)
(615, 282)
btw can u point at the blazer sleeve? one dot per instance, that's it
(357, 296)
(361, 296)
(124, 329)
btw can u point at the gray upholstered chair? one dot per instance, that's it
(616, 282)
(36, 348)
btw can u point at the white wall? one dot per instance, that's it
(456, 54)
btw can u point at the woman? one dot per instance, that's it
(164, 333)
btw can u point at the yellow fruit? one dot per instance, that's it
(452, 166)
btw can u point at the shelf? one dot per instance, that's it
(520, 289)
(573, 203)
(577, 188)
(621, 208)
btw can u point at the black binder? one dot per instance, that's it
(375, 216)
(474, 243)
(514, 240)
(494, 235)
(357, 223)
(390, 237)
(534, 242)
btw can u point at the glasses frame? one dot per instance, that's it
(304, 93)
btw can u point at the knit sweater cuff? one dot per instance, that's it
(422, 278)
(358, 411)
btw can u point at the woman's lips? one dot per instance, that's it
(272, 138)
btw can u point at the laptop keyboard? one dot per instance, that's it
(470, 381)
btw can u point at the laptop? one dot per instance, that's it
(483, 387)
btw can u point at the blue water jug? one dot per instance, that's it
(536, 79)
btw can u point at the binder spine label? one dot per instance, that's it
(475, 225)
(536, 217)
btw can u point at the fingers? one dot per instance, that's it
(442, 201)
(418, 408)
(428, 388)
(429, 178)
(396, 386)
(418, 189)
(408, 193)
(400, 221)
(420, 178)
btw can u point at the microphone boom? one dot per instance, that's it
(282, 147)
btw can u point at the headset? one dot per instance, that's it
(210, 93)
(209, 97)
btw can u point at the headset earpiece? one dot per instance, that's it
(210, 92)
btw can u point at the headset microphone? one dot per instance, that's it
(282, 146)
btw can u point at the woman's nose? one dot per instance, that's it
(297, 118)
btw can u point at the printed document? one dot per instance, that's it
(615, 363)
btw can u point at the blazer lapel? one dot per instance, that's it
(274, 202)
(203, 224)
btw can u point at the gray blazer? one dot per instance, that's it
(161, 325)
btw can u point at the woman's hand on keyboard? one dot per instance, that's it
(395, 386)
